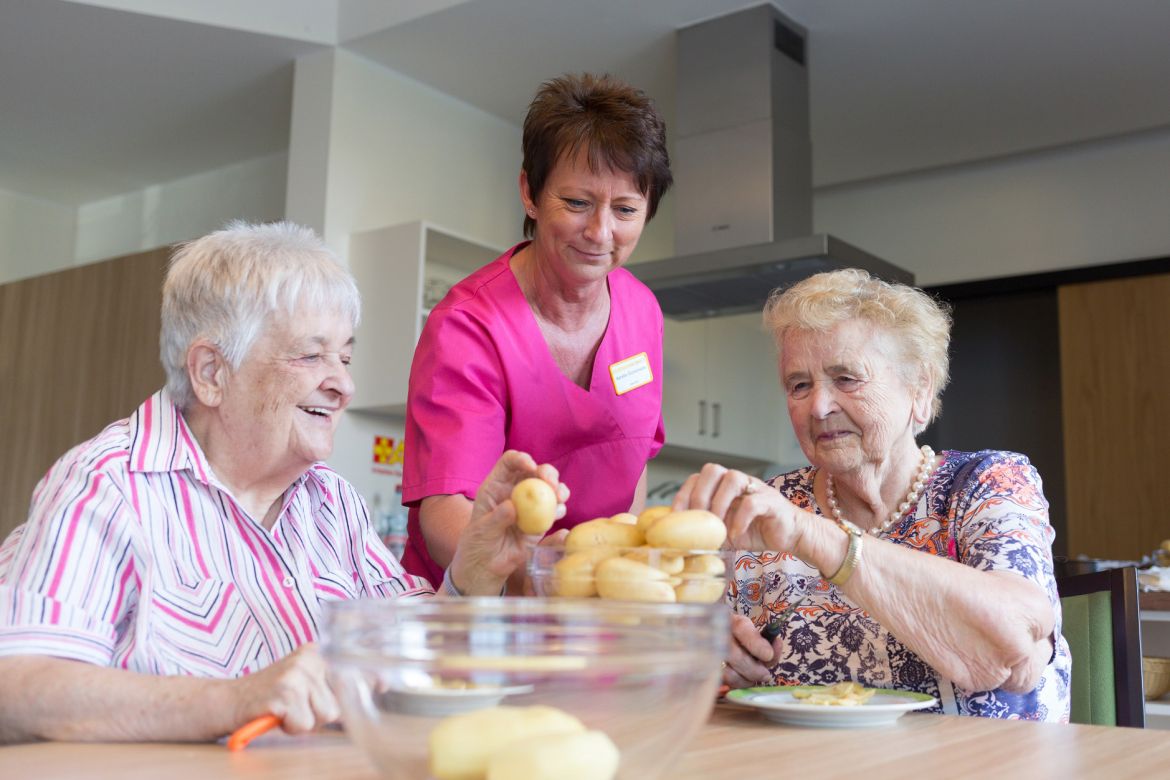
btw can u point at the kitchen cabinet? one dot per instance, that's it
(721, 395)
(402, 271)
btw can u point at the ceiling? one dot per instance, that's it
(98, 102)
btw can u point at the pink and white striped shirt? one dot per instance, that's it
(136, 556)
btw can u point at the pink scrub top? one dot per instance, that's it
(483, 381)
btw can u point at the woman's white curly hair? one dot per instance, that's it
(227, 286)
(920, 325)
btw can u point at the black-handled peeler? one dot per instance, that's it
(772, 630)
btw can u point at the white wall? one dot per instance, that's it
(1084, 205)
(401, 151)
(182, 209)
(369, 147)
(36, 236)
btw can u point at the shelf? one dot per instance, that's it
(1160, 707)
(401, 270)
(1154, 601)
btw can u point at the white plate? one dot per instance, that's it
(778, 704)
(440, 702)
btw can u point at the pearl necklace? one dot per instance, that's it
(929, 462)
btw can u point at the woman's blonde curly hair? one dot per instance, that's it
(920, 325)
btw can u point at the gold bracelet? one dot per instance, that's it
(852, 555)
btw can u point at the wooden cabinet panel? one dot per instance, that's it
(1115, 372)
(78, 350)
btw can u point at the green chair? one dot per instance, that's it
(1103, 631)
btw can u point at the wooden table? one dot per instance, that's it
(735, 743)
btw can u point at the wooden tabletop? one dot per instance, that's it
(735, 743)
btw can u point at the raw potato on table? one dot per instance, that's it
(520, 743)
(463, 745)
(588, 756)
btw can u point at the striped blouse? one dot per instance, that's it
(136, 556)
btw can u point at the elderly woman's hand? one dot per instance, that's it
(757, 516)
(293, 689)
(492, 547)
(749, 655)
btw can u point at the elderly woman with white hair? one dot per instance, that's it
(887, 564)
(170, 579)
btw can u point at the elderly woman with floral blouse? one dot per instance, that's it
(886, 563)
(170, 581)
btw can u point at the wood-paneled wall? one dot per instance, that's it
(78, 350)
(1115, 371)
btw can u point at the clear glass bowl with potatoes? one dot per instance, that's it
(523, 688)
(659, 556)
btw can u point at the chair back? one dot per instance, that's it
(1103, 630)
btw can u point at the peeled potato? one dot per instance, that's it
(536, 505)
(572, 575)
(704, 564)
(690, 529)
(668, 561)
(700, 590)
(603, 532)
(588, 756)
(624, 517)
(462, 745)
(622, 578)
(651, 516)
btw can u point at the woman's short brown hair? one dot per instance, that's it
(616, 123)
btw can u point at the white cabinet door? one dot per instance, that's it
(684, 384)
(740, 389)
(721, 395)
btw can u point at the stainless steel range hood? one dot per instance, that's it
(743, 171)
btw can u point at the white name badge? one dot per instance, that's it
(631, 373)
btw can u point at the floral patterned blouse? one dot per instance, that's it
(985, 510)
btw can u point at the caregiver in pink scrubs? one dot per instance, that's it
(553, 348)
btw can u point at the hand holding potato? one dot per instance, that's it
(756, 519)
(492, 546)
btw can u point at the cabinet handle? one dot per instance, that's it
(702, 418)
(715, 407)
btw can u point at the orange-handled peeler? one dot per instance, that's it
(250, 730)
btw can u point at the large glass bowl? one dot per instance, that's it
(644, 674)
(651, 574)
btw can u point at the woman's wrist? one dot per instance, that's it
(852, 555)
(824, 544)
(457, 582)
